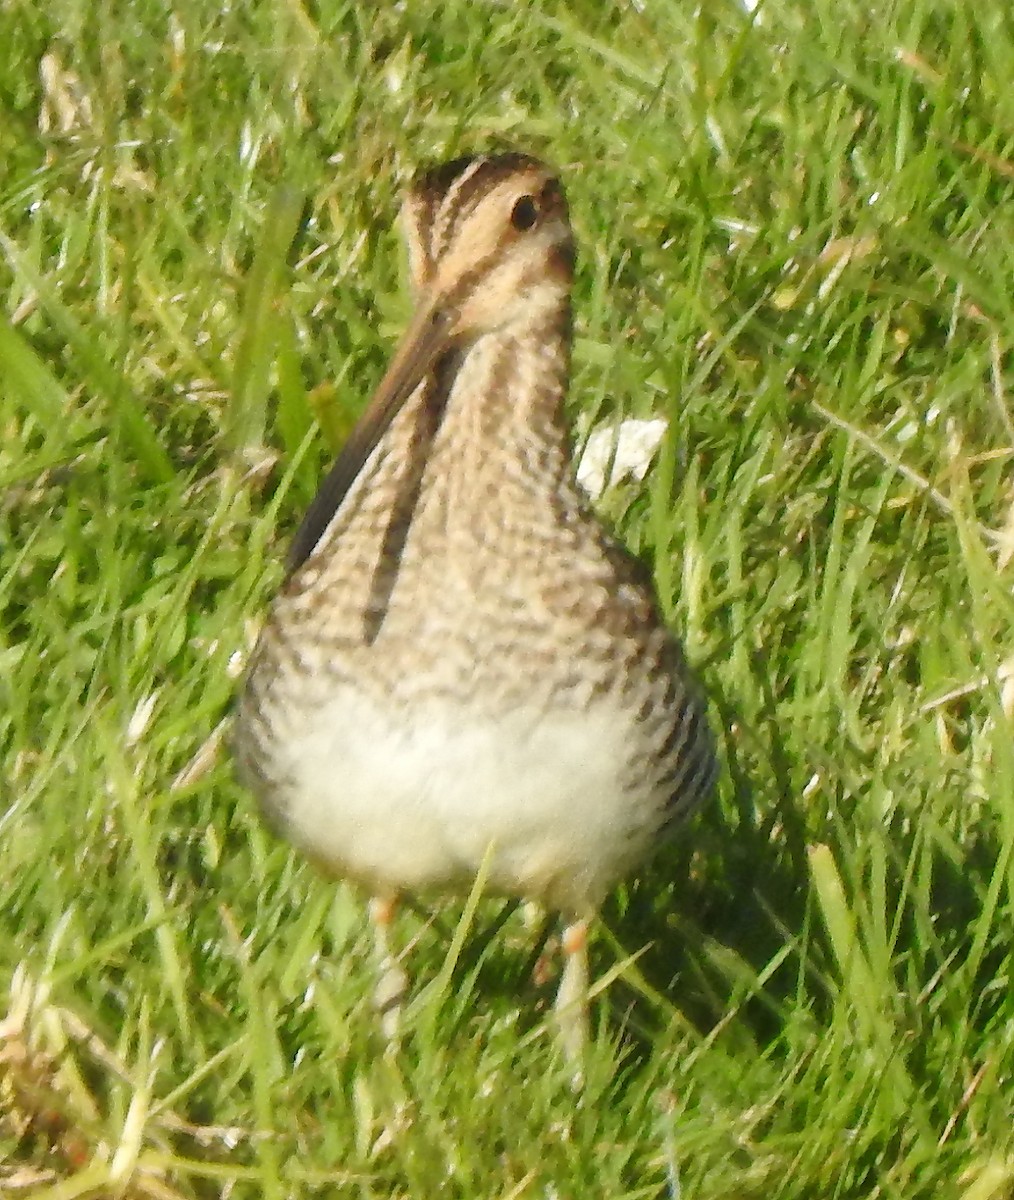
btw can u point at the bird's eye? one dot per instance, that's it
(524, 214)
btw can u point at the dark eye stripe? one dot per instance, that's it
(466, 283)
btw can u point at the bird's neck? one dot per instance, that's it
(505, 392)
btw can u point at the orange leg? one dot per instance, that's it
(572, 998)
(392, 982)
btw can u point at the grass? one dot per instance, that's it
(797, 244)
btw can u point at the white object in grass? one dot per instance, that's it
(624, 450)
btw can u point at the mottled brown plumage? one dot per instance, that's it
(463, 670)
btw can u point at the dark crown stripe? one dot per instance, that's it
(446, 201)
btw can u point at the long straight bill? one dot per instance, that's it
(425, 340)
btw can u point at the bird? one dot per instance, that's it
(464, 673)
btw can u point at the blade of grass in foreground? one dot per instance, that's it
(867, 1001)
(259, 336)
(28, 381)
(104, 380)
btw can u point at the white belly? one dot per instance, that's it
(425, 799)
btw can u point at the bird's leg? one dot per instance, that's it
(572, 998)
(392, 982)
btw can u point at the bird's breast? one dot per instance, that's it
(428, 796)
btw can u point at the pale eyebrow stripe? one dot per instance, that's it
(507, 186)
(417, 222)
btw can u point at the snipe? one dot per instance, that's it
(463, 670)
